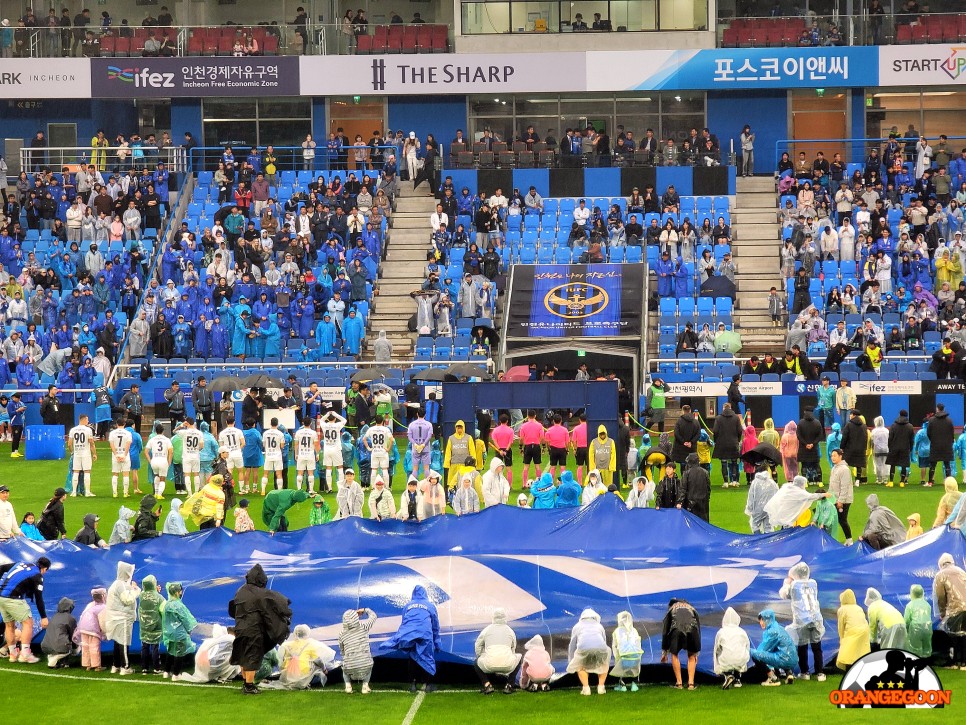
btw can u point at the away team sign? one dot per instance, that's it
(575, 300)
(426, 75)
(194, 77)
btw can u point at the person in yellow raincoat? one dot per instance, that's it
(207, 507)
(304, 660)
(602, 455)
(98, 155)
(459, 447)
(854, 642)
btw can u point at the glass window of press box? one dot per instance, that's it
(518, 16)
(667, 114)
(931, 112)
(262, 121)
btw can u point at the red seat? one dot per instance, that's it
(424, 38)
(774, 37)
(409, 39)
(394, 40)
(919, 34)
(270, 45)
(196, 45)
(226, 45)
(380, 40)
(108, 46)
(903, 34)
(125, 47)
(729, 38)
(200, 33)
(363, 44)
(211, 46)
(440, 38)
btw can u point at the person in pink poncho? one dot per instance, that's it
(749, 439)
(89, 633)
(536, 670)
(789, 450)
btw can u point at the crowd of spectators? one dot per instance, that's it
(879, 238)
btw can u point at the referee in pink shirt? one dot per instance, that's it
(531, 436)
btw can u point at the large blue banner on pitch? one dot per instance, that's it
(575, 300)
(543, 567)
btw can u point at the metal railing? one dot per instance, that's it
(292, 158)
(263, 38)
(307, 365)
(106, 159)
(841, 30)
(739, 360)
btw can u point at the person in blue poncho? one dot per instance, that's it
(261, 335)
(182, 337)
(544, 492)
(325, 334)
(272, 337)
(833, 441)
(920, 450)
(776, 651)
(568, 492)
(241, 339)
(209, 450)
(220, 340)
(682, 278)
(353, 333)
(418, 638)
(137, 446)
(664, 268)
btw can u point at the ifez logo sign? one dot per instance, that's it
(140, 77)
(890, 678)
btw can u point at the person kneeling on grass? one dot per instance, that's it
(682, 631)
(626, 645)
(496, 654)
(355, 649)
(176, 623)
(305, 661)
(731, 650)
(57, 643)
(588, 653)
(776, 651)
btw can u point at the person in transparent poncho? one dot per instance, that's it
(807, 627)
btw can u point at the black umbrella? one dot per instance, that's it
(762, 452)
(435, 375)
(718, 287)
(261, 380)
(466, 370)
(367, 374)
(491, 336)
(225, 384)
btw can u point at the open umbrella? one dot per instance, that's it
(491, 336)
(375, 373)
(466, 370)
(225, 384)
(763, 452)
(435, 375)
(380, 387)
(261, 380)
(718, 287)
(728, 341)
(517, 374)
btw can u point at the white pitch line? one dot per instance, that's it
(414, 708)
(133, 680)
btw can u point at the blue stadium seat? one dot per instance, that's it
(632, 255)
(686, 307)
(705, 305)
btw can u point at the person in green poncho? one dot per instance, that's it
(918, 616)
(177, 623)
(277, 503)
(826, 516)
(149, 615)
(319, 513)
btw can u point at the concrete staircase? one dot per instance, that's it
(755, 247)
(402, 271)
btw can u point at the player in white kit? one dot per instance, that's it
(273, 443)
(378, 441)
(306, 454)
(81, 441)
(331, 425)
(192, 441)
(120, 440)
(160, 453)
(233, 439)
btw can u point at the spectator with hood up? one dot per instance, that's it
(418, 638)
(262, 620)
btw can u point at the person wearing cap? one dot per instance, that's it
(89, 535)
(20, 581)
(8, 518)
(17, 411)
